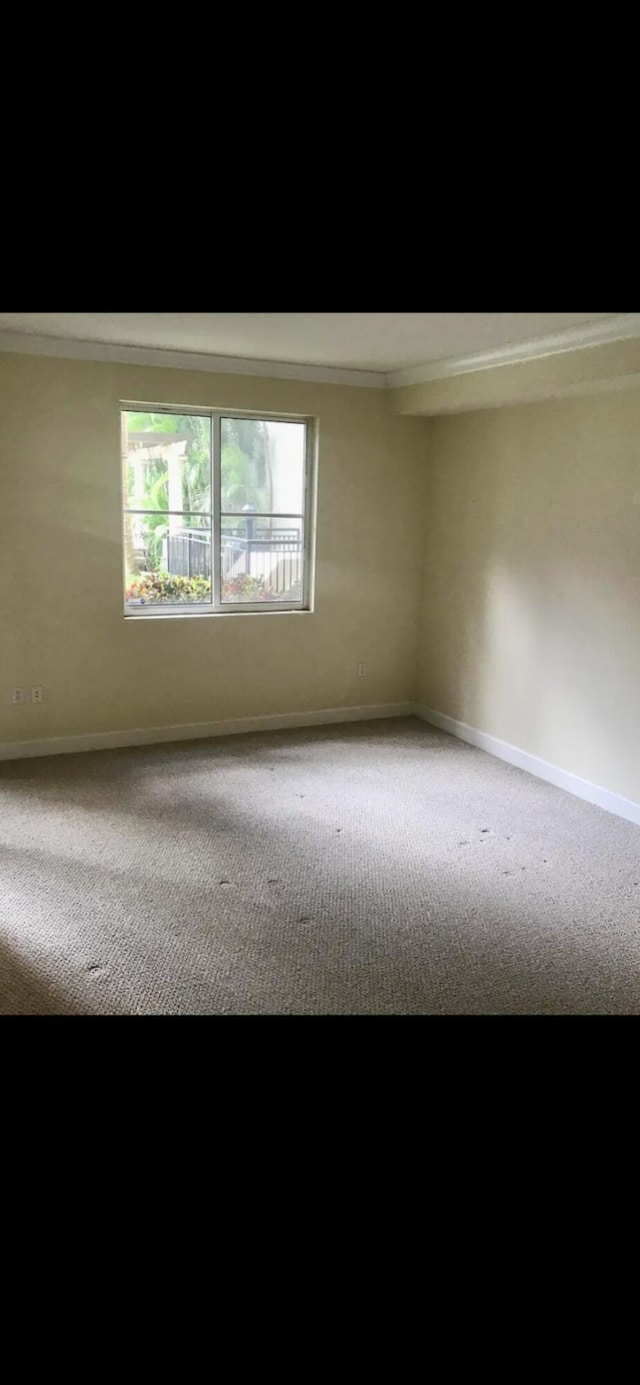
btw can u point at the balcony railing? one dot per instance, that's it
(273, 556)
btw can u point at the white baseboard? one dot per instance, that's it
(327, 716)
(572, 783)
(202, 730)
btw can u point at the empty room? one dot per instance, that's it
(320, 651)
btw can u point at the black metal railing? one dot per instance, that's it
(273, 557)
(189, 554)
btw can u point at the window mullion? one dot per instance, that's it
(216, 563)
(307, 506)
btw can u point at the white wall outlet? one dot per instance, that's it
(17, 695)
(36, 695)
(362, 670)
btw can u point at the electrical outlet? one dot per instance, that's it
(36, 695)
(17, 695)
(362, 670)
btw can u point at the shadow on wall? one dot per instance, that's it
(532, 580)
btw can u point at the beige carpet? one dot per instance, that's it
(379, 868)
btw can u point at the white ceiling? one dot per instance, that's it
(382, 342)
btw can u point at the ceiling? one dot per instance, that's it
(383, 342)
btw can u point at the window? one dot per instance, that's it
(217, 511)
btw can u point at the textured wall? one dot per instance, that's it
(529, 541)
(531, 615)
(612, 366)
(61, 618)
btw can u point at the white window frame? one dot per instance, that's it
(155, 611)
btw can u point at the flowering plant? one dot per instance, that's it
(158, 587)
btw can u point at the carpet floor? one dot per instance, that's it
(377, 868)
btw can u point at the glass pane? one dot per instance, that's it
(168, 559)
(261, 559)
(262, 466)
(166, 461)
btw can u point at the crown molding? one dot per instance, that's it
(32, 344)
(617, 328)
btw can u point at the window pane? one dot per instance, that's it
(166, 461)
(261, 559)
(168, 559)
(262, 465)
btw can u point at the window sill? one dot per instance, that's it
(150, 616)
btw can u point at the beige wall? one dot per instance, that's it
(531, 616)
(61, 620)
(527, 625)
(613, 366)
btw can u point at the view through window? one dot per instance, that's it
(215, 511)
